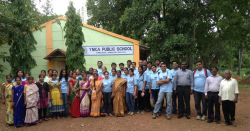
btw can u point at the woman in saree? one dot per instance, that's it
(74, 96)
(56, 96)
(96, 88)
(118, 94)
(6, 99)
(18, 103)
(31, 100)
(84, 97)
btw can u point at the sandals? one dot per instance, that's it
(45, 119)
(110, 115)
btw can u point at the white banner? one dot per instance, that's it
(109, 50)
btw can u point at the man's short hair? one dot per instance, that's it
(198, 62)
(99, 61)
(154, 66)
(129, 61)
(113, 63)
(215, 68)
(149, 62)
(134, 63)
(121, 64)
(175, 62)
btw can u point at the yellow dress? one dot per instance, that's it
(8, 103)
(57, 104)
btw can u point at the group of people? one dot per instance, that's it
(98, 92)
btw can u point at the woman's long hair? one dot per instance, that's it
(94, 78)
(19, 76)
(142, 70)
(61, 75)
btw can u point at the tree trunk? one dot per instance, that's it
(193, 35)
(241, 51)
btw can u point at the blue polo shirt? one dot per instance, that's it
(64, 85)
(200, 80)
(131, 81)
(122, 73)
(135, 72)
(166, 87)
(158, 69)
(107, 85)
(99, 71)
(125, 77)
(173, 73)
(147, 74)
(112, 77)
(139, 81)
(152, 80)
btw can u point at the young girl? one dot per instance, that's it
(74, 96)
(20, 74)
(31, 98)
(50, 73)
(18, 103)
(84, 97)
(131, 92)
(126, 74)
(44, 94)
(26, 82)
(64, 80)
(6, 99)
(55, 89)
(107, 91)
(96, 88)
(140, 81)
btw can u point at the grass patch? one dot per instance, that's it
(244, 86)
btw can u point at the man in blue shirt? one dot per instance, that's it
(200, 76)
(153, 87)
(134, 68)
(158, 66)
(113, 66)
(147, 74)
(174, 70)
(166, 90)
(99, 69)
(129, 62)
(121, 65)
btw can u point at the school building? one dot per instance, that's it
(100, 45)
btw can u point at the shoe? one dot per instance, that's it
(174, 112)
(226, 124)
(154, 116)
(168, 117)
(233, 124)
(129, 113)
(132, 113)
(209, 121)
(217, 121)
(160, 113)
(203, 118)
(138, 112)
(198, 118)
(188, 116)
(142, 112)
(180, 116)
(148, 110)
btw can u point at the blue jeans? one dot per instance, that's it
(65, 103)
(198, 98)
(155, 93)
(130, 101)
(160, 100)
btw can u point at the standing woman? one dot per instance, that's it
(96, 87)
(107, 91)
(6, 99)
(84, 97)
(55, 89)
(125, 74)
(131, 91)
(70, 74)
(20, 74)
(118, 93)
(64, 81)
(74, 96)
(31, 98)
(18, 103)
(43, 72)
(26, 82)
(104, 69)
(50, 73)
(141, 99)
(44, 94)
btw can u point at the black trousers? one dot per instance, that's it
(200, 97)
(42, 111)
(107, 101)
(184, 92)
(147, 99)
(213, 100)
(228, 108)
(141, 101)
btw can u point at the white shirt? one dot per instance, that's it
(228, 89)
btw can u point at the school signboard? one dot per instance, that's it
(109, 50)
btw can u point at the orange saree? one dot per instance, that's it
(96, 98)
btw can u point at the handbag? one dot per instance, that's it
(49, 104)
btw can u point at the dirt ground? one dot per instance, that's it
(142, 122)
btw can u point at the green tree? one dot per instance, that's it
(48, 13)
(21, 41)
(74, 40)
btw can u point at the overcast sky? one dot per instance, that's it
(60, 6)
